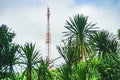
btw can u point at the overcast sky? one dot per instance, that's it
(28, 18)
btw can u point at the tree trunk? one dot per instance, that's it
(83, 52)
(30, 74)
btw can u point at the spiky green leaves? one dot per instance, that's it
(31, 58)
(79, 27)
(103, 42)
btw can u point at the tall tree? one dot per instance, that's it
(104, 43)
(12, 58)
(31, 58)
(6, 38)
(106, 48)
(79, 29)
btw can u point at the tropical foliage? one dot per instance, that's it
(89, 54)
(43, 71)
(31, 58)
(79, 30)
(8, 53)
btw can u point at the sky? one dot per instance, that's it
(29, 20)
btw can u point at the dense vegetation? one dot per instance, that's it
(89, 54)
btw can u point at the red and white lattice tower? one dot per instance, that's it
(48, 36)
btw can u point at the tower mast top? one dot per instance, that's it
(48, 36)
(48, 13)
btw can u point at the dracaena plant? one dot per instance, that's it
(30, 58)
(104, 43)
(79, 29)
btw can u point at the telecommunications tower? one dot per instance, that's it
(48, 36)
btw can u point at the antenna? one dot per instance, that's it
(48, 36)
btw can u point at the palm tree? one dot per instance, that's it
(72, 69)
(79, 30)
(6, 38)
(106, 47)
(103, 43)
(12, 59)
(31, 58)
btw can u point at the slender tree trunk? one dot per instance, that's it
(83, 52)
(30, 74)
